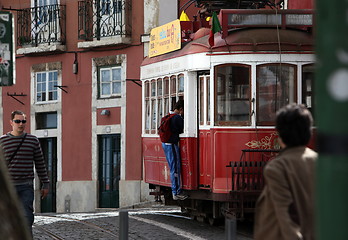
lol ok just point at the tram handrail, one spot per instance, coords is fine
(247, 178)
(247, 173)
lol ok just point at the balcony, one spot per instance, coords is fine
(104, 22)
(41, 29)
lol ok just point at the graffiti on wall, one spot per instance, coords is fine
(6, 48)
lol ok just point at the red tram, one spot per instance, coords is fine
(263, 60)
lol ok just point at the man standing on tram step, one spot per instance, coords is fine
(285, 208)
(172, 150)
(22, 151)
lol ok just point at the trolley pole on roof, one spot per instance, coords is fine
(331, 119)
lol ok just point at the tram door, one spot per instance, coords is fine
(109, 170)
(49, 149)
(204, 110)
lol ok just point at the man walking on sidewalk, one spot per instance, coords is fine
(22, 151)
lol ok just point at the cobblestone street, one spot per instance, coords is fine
(156, 222)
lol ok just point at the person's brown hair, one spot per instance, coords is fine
(16, 112)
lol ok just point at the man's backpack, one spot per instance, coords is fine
(164, 130)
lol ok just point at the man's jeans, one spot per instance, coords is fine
(172, 153)
(25, 194)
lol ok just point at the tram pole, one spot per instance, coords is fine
(331, 119)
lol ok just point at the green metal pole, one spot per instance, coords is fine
(332, 119)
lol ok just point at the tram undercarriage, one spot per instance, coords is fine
(205, 206)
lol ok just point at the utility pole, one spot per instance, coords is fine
(332, 119)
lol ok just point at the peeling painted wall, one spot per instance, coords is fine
(159, 12)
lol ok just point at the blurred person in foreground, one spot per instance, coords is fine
(12, 222)
(22, 151)
(285, 208)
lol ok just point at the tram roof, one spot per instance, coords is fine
(244, 40)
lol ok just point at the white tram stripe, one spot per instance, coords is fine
(175, 230)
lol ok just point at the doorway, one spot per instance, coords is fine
(109, 170)
(49, 149)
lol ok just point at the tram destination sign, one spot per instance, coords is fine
(166, 38)
(7, 58)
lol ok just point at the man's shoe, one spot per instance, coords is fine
(175, 197)
(181, 196)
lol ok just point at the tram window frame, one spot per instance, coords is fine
(147, 89)
(204, 99)
(208, 100)
(147, 106)
(173, 85)
(201, 83)
(272, 114)
(153, 88)
(166, 95)
(307, 92)
(173, 90)
(159, 101)
(153, 106)
(181, 84)
(223, 93)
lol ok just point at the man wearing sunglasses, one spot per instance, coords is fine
(22, 151)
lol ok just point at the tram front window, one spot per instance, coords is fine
(232, 95)
(275, 89)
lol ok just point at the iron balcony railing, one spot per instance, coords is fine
(41, 25)
(104, 18)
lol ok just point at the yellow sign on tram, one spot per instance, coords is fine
(166, 38)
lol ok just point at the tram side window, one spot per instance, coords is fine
(153, 107)
(159, 100)
(308, 86)
(201, 100)
(166, 95)
(204, 100)
(208, 99)
(276, 87)
(181, 84)
(173, 88)
(232, 92)
(147, 107)
(180, 92)
(160, 96)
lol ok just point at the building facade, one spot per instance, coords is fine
(77, 79)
